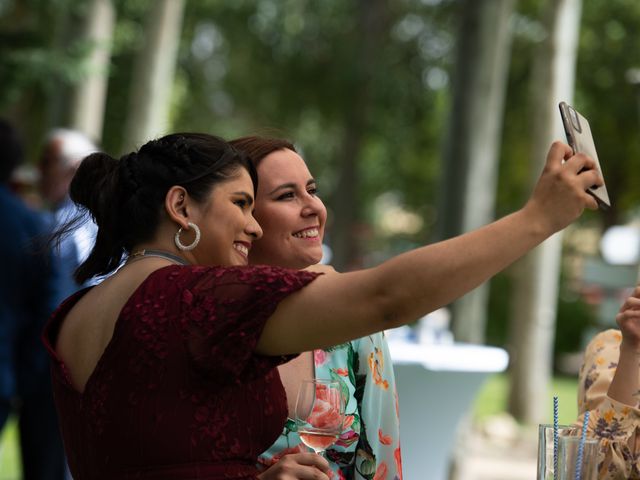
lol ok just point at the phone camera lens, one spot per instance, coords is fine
(574, 120)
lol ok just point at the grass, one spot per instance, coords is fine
(491, 400)
(10, 468)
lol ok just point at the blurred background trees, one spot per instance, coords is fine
(366, 88)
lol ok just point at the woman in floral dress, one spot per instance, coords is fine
(293, 218)
(609, 390)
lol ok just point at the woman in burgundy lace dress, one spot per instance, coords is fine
(166, 370)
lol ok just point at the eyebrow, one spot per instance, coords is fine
(246, 196)
(311, 181)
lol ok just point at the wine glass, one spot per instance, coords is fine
(319, 413)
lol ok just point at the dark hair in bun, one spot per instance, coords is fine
(125, 197)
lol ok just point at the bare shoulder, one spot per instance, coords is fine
(88, 327)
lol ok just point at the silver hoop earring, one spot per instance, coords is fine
(193, 244)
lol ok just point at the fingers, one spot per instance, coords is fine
(631, 303)
(560, 195)
(299, 466)
(580, 162)
(561, 156)
(321, 468)
(312, 460)
(629, 323)
(558, 152)
(590, 202)
(589, 178)
(586, 170)
(628, 319)
(587, 174)
(628, 315)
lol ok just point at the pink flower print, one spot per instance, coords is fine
(398, 457)
(376, 366)
(324, 413)
(348, 421)
(348, 438)
(320, 357)
(384, 439)
(381, 471)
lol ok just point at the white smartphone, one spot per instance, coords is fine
(578, 133)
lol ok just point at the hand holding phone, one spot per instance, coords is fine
(579, 137)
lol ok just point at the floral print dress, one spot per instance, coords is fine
(369, 447)
(615, 424)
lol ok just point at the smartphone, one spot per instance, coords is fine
(579, 138)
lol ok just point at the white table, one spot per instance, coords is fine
(436, 386)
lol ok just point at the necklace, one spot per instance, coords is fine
(157, 253)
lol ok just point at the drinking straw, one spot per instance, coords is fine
(555, 437)
(581, 447)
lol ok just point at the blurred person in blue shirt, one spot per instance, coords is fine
(61, 155)
(29, 291)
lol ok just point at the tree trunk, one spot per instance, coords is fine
(473, 140)
(61, 36)
(89, 97)
(372, 27)
(345, 213)
(534, 305)
(153, 75)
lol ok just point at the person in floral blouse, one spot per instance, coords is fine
(609, 389)
(293, 219)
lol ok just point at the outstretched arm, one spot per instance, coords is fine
(339, 307)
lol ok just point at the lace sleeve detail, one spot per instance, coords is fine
(224, 313)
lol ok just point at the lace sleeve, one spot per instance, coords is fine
(224, 311)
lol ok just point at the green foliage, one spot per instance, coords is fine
(497, 329)
(41, 56)
(604, 94)
(609, 99)
(514, 181)
(573, 319)
(493, 397)
(128, 38)
(300, 69)
(291, 68)
(34, 56)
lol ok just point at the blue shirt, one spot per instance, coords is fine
(29, 291)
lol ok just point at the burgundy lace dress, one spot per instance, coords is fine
(179, 392)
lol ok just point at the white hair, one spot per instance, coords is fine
(74, 146)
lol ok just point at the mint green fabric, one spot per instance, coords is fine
(369, 447)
